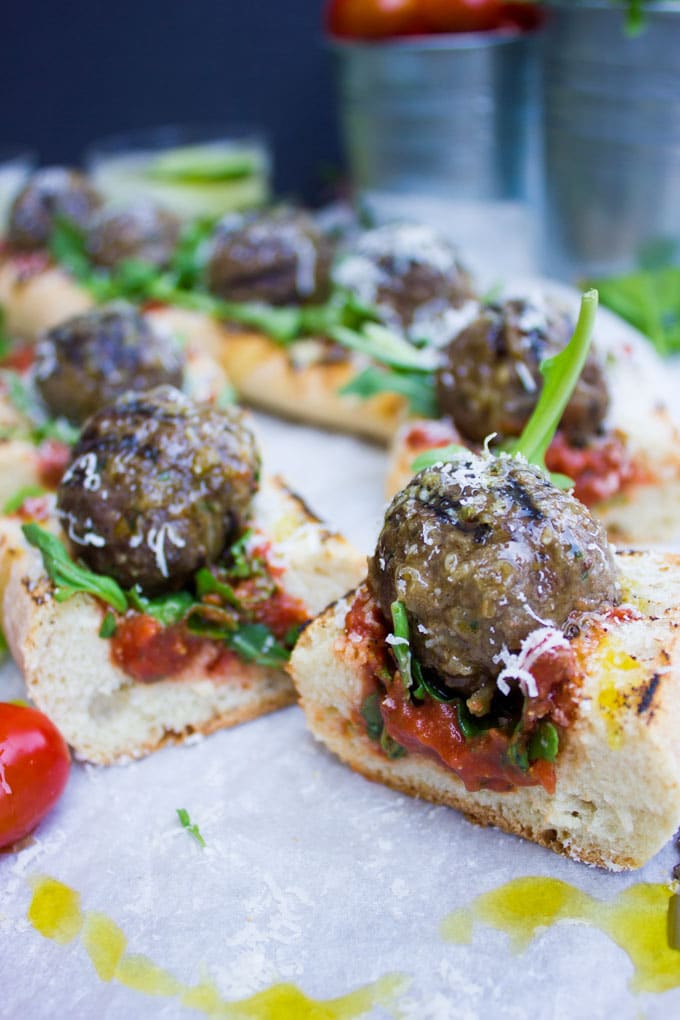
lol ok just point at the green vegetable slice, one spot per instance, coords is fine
(203, 164)
(68, 577)
(191, 827)
(544, 743)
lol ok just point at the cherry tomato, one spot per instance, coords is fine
(34, 767)
(462, 15)
(374, 19)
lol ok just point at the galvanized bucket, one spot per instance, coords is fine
(447, 115)
(444, 129)
(612, 137)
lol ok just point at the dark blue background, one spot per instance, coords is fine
(73, 72)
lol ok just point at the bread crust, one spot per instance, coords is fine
(37, 298)
(104, 714)
(617, 800)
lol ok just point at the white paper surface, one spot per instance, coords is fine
(310, 874)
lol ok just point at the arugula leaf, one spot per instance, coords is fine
(254, 642)
(384, 346)
(418, 389)
(207, 583)
(109, 626)
(167, 609)
(18, 498)
(68, 577)
(438, 455)
(560, 374)
(650, 301)
(191, 827)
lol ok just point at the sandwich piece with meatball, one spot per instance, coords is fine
(49, 389)
(503, 659)
(617, 439)
(160, 594)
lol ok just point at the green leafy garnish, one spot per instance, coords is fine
(191, 827)
(5, 341)
(438, 455)
(254, 642)
(400, 645)
(39, 427)
(68, 577)
(384, 346)
(560, 374)
(372, 716)
(390, 746)
(167, 609)
(18, 498)
(207, 583)
(544, 743)
(418, 389)
(109, 626)
(242, 563)
(650, 301)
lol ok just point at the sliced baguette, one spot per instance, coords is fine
(618, 774)
(38, 296)
(104, 714)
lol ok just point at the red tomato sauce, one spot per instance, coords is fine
(432, 728)
(148, 651)
(599, 471)
(53, 458)
(29, 263)
(20, 357)
(430, 435)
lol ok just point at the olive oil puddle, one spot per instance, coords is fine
(55, 913)
(636, 920)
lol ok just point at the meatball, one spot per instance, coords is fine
(490, 379)
(157, 487)
(89, 360)
(279, 257)
(482, 551)
(50, 193)
(411, 275)
(143, 231)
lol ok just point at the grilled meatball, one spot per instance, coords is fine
(490, 380)
(50, 193)
(157, 487)
(89, 360)
(144, 231)
(278, 257)
(411, 275)
(482, 551)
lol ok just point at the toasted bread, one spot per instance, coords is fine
(104, 714)
(617, 797)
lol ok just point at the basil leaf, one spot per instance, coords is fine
(109, 626)
(68, 577)
(560, 374)
(207, 583)
(18, 498)
(418, 389)
(372, 716)
(544, 743)
(384, 346)
(438, 455)
(254, 642)
(191, 828)
(167, 609)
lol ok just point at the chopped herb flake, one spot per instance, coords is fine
(190, 826)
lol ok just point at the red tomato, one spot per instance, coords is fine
(374, 19)
(34, 767)
(462, 15)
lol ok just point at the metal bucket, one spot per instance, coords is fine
(612, 138)
(435, 121)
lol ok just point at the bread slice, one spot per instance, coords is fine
(103, 713)
(36, 294)
(617, 799)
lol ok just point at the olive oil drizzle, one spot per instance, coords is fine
(636, 920)
(55, 912)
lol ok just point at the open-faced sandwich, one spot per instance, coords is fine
(160, 594)
(48, 389)
(617, 439)
(502, 659)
